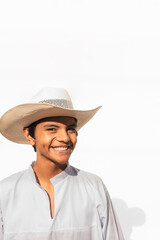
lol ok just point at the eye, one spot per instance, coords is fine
(72, 130)
(51, 129)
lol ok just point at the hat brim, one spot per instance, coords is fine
(14, 120)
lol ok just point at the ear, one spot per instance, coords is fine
(29, 138)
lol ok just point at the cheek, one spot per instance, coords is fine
(74, 141)
(42, 140)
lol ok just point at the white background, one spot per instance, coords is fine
(102, 52)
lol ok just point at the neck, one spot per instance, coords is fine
(45, 170)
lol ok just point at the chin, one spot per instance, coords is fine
(60, 163)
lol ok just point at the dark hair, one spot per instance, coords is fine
(31, 130)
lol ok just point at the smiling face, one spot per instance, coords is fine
(54, 138)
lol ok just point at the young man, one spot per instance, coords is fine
(52, 199)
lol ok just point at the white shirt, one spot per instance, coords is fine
(83, 209)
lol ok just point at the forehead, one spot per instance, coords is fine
(58, 120)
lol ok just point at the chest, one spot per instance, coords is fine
(67, 205)
(49, 188)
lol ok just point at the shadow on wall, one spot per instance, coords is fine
(128, 217)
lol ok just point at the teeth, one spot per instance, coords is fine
(61, 148)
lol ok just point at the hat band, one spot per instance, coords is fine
(59, 103)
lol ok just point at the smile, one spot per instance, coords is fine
(61, 148)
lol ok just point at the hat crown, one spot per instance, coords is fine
(56, 96)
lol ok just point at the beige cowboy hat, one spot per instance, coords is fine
(48, 102)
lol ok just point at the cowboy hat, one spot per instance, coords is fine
(48, 102)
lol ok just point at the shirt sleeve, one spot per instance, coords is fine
(110, 224)
(1, 225)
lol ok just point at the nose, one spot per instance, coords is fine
(63, 136)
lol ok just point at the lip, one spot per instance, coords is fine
(61, 146)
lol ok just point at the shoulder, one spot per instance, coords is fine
(12, 177)
(95, 186)
(89, 178)
(10, 181)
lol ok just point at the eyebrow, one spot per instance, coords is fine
(50, 125)
(73, 125)
(53, 125)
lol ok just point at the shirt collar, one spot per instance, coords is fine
(69, 170)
